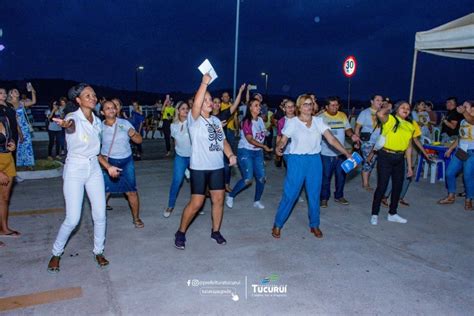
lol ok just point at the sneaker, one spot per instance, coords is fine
(167, 212)
(201, 213)
(324, 203)
(179, 240)
(218, 238)
(19, 179)
(342, 201)
(374, 219)
(300, 200)
(258, 204)
(396, 219)
(229, 201)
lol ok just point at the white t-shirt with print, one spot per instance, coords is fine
(121, 147)
(85, 141)
(257, 129)
(182, 140)
(368, 120)
(466, 136)
(338, 124)
(207, 143)
(304, 140)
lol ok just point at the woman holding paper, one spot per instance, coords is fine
(304, 150)
(206, 164)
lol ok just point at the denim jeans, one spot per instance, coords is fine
(332, 165)
(302, 169)
(467, 167)
(230, 136)
(251, 165)
(179, 167)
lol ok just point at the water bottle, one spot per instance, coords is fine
(349, 164)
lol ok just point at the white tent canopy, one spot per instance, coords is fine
(454, 39)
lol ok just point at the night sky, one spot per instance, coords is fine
(301, 44)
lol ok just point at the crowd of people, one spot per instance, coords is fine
(209, 136)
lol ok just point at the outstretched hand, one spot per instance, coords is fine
(63, 123)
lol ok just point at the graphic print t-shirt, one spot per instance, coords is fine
(254, 128)
(207, 143)
(338, 124)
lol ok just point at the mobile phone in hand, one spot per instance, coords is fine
(29, 87)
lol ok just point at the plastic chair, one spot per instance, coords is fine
(436, 168)
(436, 134)
(425, 140)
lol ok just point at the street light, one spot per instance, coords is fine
(139, 68)
(266, 74)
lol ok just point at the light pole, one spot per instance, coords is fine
(139, 68)
(236, 47)
(266, 74)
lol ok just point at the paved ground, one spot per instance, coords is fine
(423, 267)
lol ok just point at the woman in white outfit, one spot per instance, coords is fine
(82, 170)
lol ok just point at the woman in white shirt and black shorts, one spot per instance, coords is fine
(208, 145)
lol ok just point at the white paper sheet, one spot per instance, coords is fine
(206, 67)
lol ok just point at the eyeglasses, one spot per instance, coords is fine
(307, 104)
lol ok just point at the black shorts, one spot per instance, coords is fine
(201, 179)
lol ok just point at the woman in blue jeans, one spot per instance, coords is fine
(462, 163)
(182, 141)
(250, 155)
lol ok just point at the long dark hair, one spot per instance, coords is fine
(248, 114)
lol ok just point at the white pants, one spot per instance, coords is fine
(80, 173)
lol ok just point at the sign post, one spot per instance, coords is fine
(349, 68)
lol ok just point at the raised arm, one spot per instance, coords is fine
(238, 97)
(465, 110)
(383, 113)
(199, 97)
(33, 98)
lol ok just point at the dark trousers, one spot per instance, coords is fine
(167, 132)
(389, 166)
(332, 165)
(54, 139)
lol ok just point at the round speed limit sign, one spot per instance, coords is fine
(350, 66)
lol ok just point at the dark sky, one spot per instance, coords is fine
(301, 43)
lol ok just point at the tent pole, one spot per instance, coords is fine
(413, 76)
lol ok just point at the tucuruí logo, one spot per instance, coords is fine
(268, 287)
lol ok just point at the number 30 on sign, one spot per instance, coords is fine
(350, 66)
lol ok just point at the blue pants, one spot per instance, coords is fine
(180, 165)
(302, 169)
(467, 167)
(251, 165)
(332, 165)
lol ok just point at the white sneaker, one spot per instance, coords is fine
(19, 179)
(300, 200)
(167, 212)
(396, 219)
(229, 201)
(374, 219)
(258, 204)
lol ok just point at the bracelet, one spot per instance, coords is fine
(204, 83)
(231, 156)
